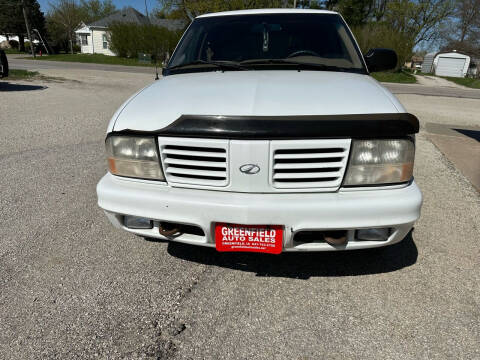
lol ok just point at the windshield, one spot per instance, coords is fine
(240, 42)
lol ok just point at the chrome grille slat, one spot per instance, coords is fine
(310, 164)
(193, 172)
(306, 175)
(310, 155)
(280, 166)
(194, 153)
(195, 162)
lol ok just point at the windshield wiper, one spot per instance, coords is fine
(298, 63)
(223, 65)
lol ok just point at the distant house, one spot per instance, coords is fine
(94, 38)
(414, 63)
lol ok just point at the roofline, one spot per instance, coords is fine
(267, 11)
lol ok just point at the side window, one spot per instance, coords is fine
(105, 42)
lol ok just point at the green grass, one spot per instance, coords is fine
(468, 82)
(92, 58)
(394, 77)
(13, 51)
(14, 74)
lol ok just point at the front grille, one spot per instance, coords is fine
(195, 162)
(309, 164)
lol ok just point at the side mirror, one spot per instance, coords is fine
(380, 59)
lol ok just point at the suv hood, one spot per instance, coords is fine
(253, 93)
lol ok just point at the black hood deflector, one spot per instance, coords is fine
(288, 127)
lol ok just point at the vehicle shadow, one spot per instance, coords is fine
(6, 86)
(306, 265)
(474, 134)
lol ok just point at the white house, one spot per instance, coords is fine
(94, 38)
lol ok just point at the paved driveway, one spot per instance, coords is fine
(435, 81)
(74, 287)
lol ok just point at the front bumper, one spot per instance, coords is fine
(397, 209)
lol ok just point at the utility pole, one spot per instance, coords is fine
(294, 4)
(32, 48)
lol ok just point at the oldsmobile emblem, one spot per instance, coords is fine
(250, 169)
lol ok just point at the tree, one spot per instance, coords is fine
(420, 20)
(381, 34)
(468, 14)
(192, 8)
(129, 39)
(93, 10)
(13, 22)
(462, 33)
(63, 18)
(356, 12)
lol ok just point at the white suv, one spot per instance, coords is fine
(265, 134)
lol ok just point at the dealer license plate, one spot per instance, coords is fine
(249, 238)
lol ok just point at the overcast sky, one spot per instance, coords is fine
(137, 4)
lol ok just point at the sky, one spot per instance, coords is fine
(137, 4)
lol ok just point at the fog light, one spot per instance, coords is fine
(373, 234)
(135, 222)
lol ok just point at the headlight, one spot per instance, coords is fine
(133, 157)
(376, 162)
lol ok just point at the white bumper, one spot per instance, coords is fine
(396, 208)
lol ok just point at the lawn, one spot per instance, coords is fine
(468, 82)
(13, 51)
(394, 77)
(92, 58)
(14, 74)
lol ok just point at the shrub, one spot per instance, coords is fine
(14, 44)
(380, 35)
(127, 40)
(37, 48)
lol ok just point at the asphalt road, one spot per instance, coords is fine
(74, 287)
(16, 62)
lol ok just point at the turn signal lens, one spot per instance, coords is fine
(133, 157)
(378, 162)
